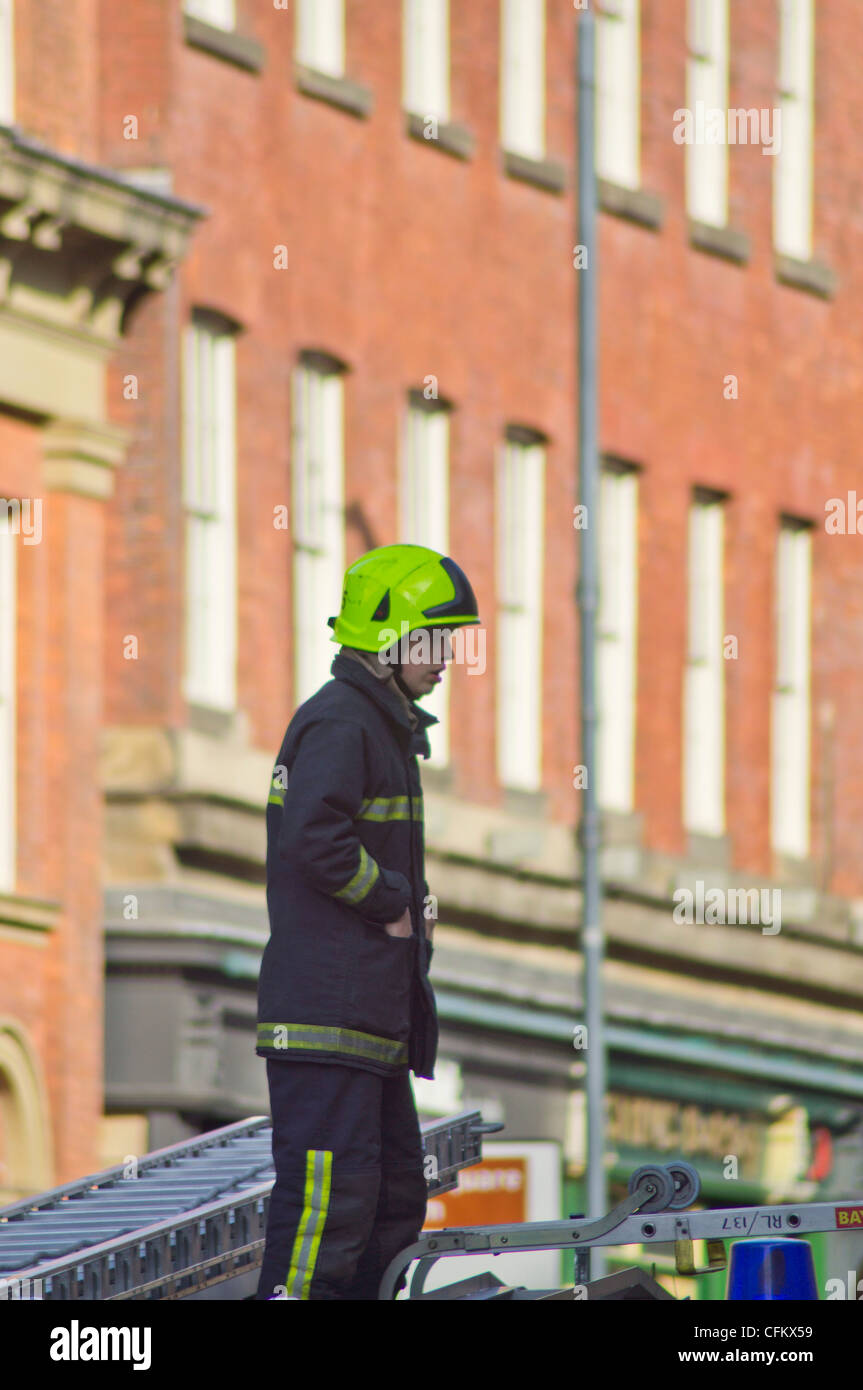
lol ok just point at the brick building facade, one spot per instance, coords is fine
(283, 284)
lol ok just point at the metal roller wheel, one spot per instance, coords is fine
(687, 1184)
(662, 1182)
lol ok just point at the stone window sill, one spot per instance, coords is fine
(436, 778)
(708, 851)
(228, 725)
(621, 828)
(634, 204)
(342, 92)
(235, 48)
(451, 137)
(812, 276)
(793, 872)
(33, 913)
(519, 802)
(726, 242)
(549, 174)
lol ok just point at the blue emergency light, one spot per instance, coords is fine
(771, 1269)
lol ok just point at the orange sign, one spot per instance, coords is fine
(489, 1194)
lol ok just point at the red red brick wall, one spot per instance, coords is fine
(404, 261)
(51, 982)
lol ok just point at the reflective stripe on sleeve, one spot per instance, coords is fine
(383, 808)
(363, 880)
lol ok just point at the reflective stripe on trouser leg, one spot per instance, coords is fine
(319, 1165)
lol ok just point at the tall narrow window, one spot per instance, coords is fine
(220, 13)
(426, 57)
(210, 500)
(8, 626)
(791, 696)
(707, 87)
(523, 77)
(617, 623)
(7, 62)
(704, 701)
(319, 518)
(321, 35)
(519, 544)
(793, 172)
(425, 521)
(618, 92)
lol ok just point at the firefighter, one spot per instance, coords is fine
(345, 1007)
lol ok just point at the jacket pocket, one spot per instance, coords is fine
(379, 993)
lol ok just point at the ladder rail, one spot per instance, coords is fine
(158, 1158)
(190, 1247)
(623, 1226)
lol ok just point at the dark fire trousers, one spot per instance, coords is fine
(350, 1191)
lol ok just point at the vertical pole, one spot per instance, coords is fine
(591, 929)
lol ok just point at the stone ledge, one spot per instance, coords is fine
(793, 872)
(451, 137)
(78, 243)
(140, 761)
(227, 725)
(342, 92)
(549, 174)
(726, 242)
(621, 828)
(224, 43)
(37, 914)
(812, 276)
(519, 804)
(708, 851)
(435, 778)
(634, 204)
(80, 457)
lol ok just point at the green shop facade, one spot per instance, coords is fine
(766, 1111)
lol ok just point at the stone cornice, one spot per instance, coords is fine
(109, 239)
(81, 457)
(34, 914)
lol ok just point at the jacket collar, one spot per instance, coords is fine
(358, 674)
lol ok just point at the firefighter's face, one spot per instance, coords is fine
(427, 659)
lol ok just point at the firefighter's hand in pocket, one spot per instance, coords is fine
(403, 927)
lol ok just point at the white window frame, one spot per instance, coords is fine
(704, 680)
(617, 634)
(424, 520)
(426, 58)
(222, 14)
(8, 702)
(522, 77)
(320, 35)
(793, 172)
(7, 62)
(707, 83)
(520, 534)
(210, 506)
(618, 92)
(318, 528)
(791, 706)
